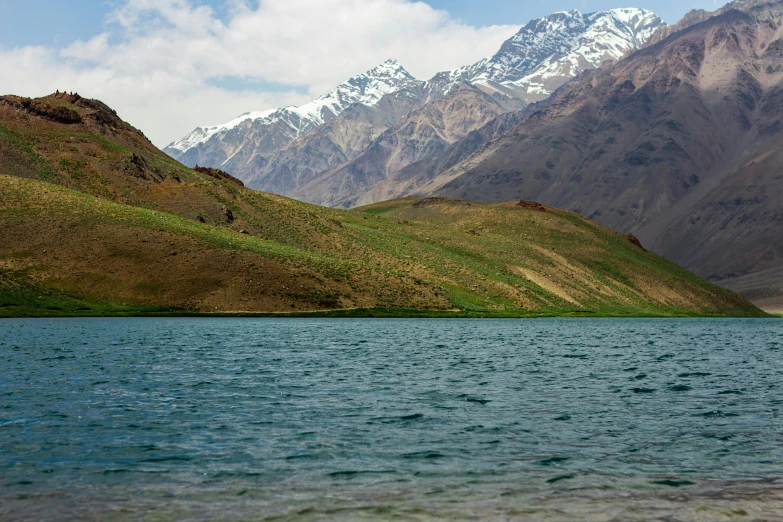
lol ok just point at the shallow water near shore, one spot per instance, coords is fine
(312, 419)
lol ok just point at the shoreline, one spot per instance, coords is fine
(384, 313)
(573, 499)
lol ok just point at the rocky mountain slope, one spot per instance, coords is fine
(424, 133)
(679, 144)
(233, 144)
(370, 179)
(331, 145)
(95, 220)
(279, 151)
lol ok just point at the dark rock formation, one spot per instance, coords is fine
(43, 109)
(138, 167)
(633, 239)
(227, 213)
(532, 205)
(219, 174)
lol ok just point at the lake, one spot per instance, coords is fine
(375, 419)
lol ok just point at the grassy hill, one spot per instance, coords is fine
(95, 220)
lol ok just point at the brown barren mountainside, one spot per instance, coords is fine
(94, 219)
(335, 143)
(379, 173)
(679, 144)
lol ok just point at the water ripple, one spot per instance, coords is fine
(379, 419)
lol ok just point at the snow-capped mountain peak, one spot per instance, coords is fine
(391, 68)
(367, 88)
(546, 52)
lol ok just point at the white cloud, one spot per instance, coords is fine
(155, 60)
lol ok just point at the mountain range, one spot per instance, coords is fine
(275, 150)
(666, 132)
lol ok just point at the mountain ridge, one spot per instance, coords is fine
(549, 51)
(367, 88)
(533, 63)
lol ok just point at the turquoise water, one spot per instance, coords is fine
(378, 419)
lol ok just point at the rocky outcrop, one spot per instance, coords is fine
(635, 240)
(52, 112)
(219, 174)
(532, 205)
(138, 167)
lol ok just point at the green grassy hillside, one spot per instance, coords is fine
(431, 255)
(95, 220)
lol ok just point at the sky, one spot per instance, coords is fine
(168, 66)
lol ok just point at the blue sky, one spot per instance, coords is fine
(483, 12)
(58, 22)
